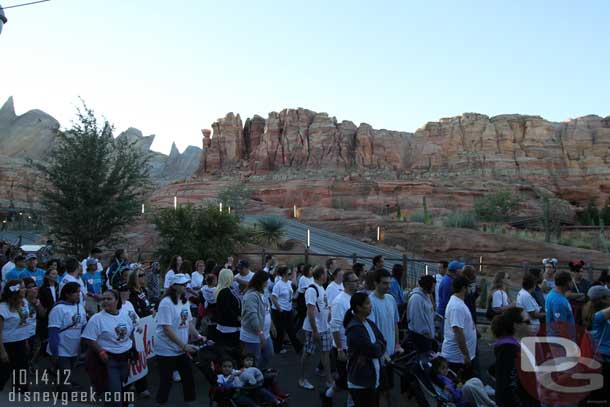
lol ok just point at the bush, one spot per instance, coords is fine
(460, 219)
(418, 216)
(497, 207)
(270, 232)
(197, 233)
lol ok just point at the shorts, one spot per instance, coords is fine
(326, 342)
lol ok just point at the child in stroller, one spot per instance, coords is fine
(422, 371)
(241, 390)
(226, 385)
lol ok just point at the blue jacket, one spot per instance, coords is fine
(445, 290)
(360, 368)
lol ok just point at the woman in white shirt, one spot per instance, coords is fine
(281, 297)
(174, 324)
(526, 300)
(499, 297)
(304, 282)
(174, 267)
(109, 338)
(14, 333)
(66, 321)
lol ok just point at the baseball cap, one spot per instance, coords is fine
(597, 292)
(180, 279)
(455, 265)
(242, 264)
(91, 262)
(30, 256)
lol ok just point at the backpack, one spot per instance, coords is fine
(317, 295)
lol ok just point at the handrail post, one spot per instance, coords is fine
(306, 255)
(354, 258)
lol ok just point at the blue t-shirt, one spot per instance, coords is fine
(559, 316)
(14, 274)
(93, 282)
(600, 330)
(397, 292)
(37, 275)
(445, 290)
(385, 315)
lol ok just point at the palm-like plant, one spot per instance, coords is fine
(269, 232)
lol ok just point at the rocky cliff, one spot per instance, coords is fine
(571, 159)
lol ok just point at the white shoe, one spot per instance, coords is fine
(145, 394)
(306, 385)
(283, 351)
(176, 377)
(489, 390)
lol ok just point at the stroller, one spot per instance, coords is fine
(415, 371)
(208, 360)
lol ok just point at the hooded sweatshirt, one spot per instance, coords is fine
(420, 313)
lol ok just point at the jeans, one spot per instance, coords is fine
(262, 353)
(167, 365)
(118, 370)
(284, 323)
(250, 397)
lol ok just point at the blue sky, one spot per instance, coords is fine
(171, 68)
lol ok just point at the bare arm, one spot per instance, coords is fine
(311, 315)
(461, 341)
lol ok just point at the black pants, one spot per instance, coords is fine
(167, 365)
(365, 397)
(17, 363)
(420, 342)
(230, 344)
(284, 323)
(141, 384)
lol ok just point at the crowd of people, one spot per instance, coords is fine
(356, 322)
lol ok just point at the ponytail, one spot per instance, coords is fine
(349, 315)
(357, 300)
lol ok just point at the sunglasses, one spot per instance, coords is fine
(526, 322)
(107, 299)
(351, 281)
(141, 275)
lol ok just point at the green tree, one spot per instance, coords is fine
(235, 196)
(96, 184)
(605, 212)
(497, 207)
(269, 232)
(197, 233)
(590, 215)
(427, 217)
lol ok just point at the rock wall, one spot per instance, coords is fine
(571, 159)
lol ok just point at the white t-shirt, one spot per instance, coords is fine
(16, 326)
(458, 315)
(68, 278)
(208, 294)
(63, 316)
(385, 315)
(526, 301)
(169, 276)
(283, 292)
(83, 264)
(304, 282)
(196, 280)
(31, 321)
(320, 307)
(499, 299)
(244, 279)
(333, 290)
(128, 309)
(6, 268)
(338, 309)
(111, 332)
(178, 317)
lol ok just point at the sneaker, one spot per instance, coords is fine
(144, 394)
(283, 351)
(304, 384)
(176, 377)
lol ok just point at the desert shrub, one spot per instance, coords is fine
(497, 207)
(418, 216)
(461, 219)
